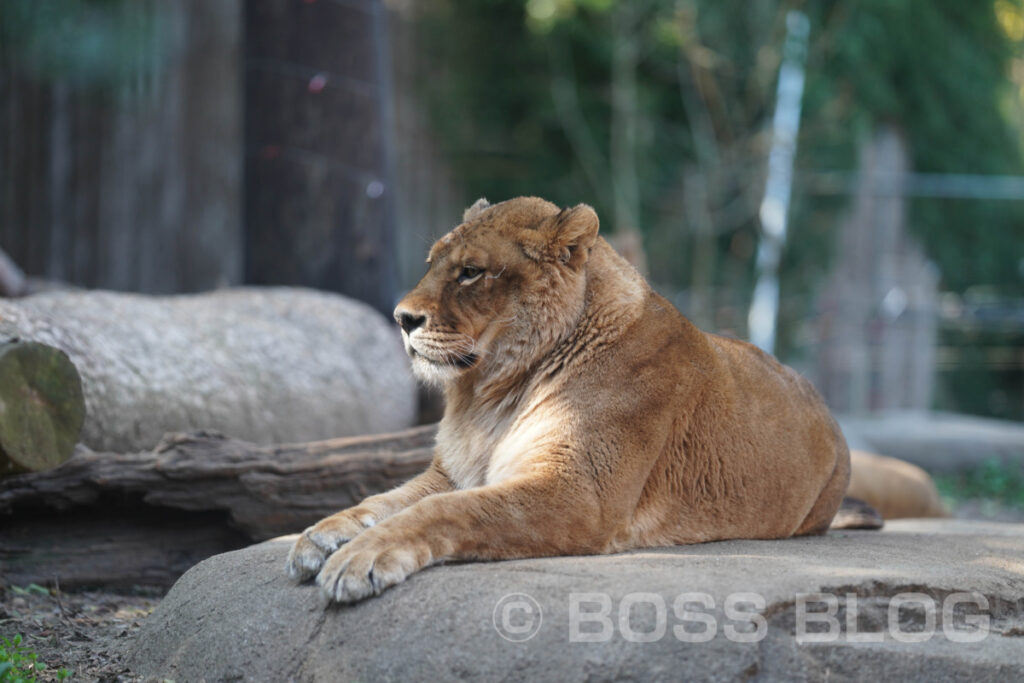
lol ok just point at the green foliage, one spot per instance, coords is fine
(937, 69)
(997, 480)
(520, 101)
(87, 42)
(983, 378)
(19, 665)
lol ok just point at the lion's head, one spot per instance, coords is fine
(501, 289)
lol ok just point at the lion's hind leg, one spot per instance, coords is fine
(825, 507)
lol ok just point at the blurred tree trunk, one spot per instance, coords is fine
(702, 253)
(319, 192)
(127, 178)
(879, 310)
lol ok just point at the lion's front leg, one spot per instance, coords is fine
(316, 543)
(504, 521)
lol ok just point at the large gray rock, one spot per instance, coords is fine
(938, 442)
(236, 617)
(266, 365)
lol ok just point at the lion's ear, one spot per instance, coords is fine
(571, 233)
(479, 206)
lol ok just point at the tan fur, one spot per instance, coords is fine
(897, 489)
(584, 414)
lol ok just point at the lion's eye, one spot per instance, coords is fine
(469, 274)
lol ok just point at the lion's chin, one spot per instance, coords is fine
(440, 373)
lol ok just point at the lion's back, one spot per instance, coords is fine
(755, 455)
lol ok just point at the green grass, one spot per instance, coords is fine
(19, 665)
(997, 480)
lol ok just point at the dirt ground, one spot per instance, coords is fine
(85, 631)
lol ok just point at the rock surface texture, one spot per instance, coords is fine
(267, 365)
(631, 616)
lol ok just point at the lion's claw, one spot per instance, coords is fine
(366, 567)
(319, 541)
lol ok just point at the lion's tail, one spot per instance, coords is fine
(854, 513)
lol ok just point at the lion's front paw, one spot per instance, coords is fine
(317, 542)
(368, 565)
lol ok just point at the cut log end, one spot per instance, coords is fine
(41, 407)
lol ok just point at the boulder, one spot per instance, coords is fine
(938, 442)
(933, 600)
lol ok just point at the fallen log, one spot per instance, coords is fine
(144, 518)
(113, 548)
(267, 365)
(41, 407)
(265, 490)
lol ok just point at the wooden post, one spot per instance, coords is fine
(878, 327)
(127, 179)
(319, 192)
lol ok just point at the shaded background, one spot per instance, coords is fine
(173, 146)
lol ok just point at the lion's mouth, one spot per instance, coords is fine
(466, 361)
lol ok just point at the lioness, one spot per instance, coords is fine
(584, 414)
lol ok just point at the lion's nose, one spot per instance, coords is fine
(409, 321)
